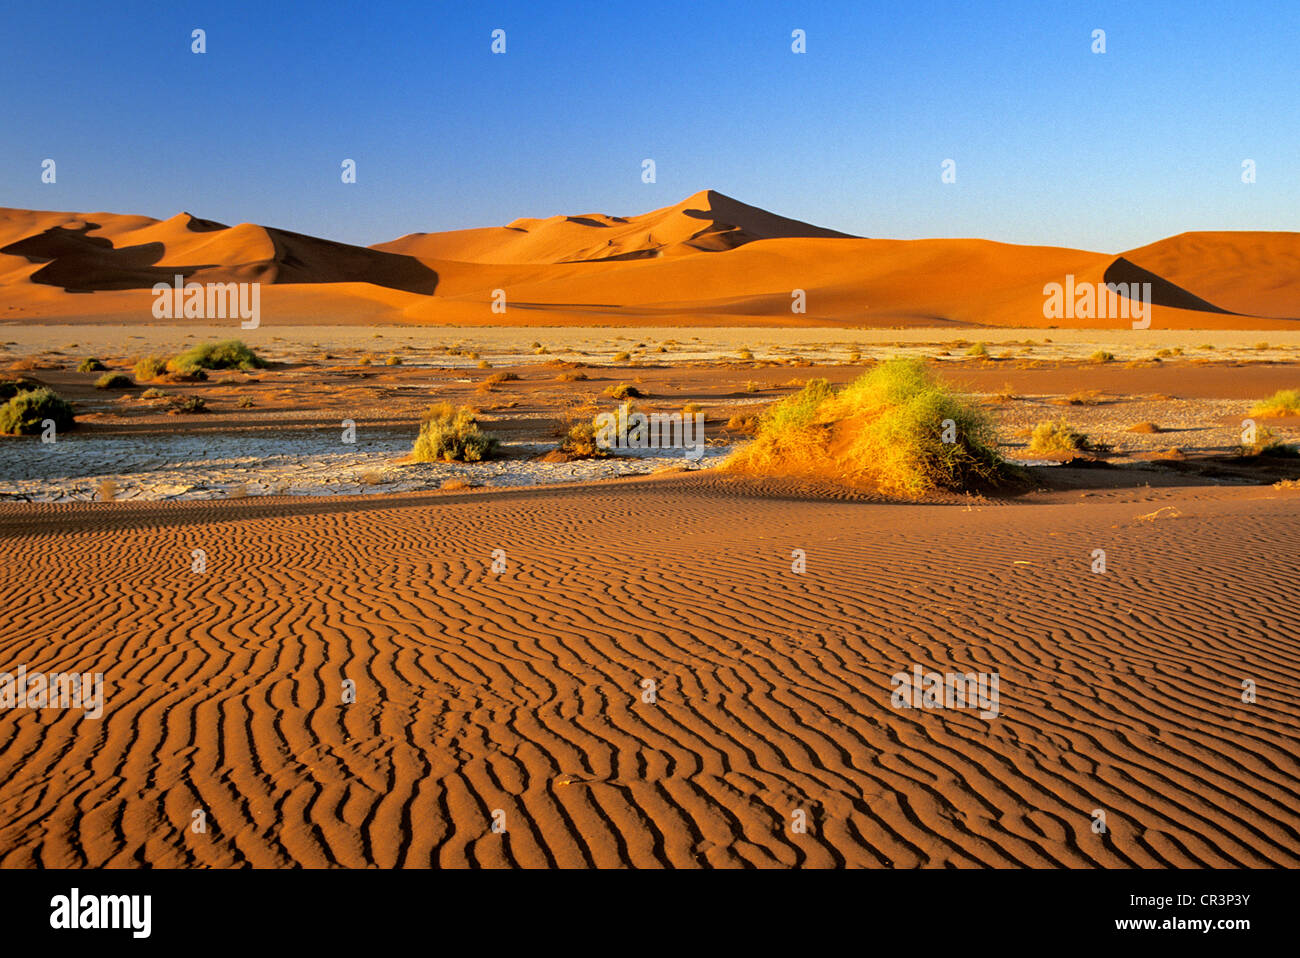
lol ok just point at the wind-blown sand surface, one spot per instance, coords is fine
(522, 691)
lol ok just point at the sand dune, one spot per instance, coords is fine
(523, 692)
(709, 260)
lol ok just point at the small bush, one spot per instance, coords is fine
(1284, 402)
(228, 354)
(572, 376)
(393, 361)
(745, 354)
(150, 367)
(245, 402)
(452, 436)
(90, 365)
(1147, 428)
(1057, 436)
(622, 357)
(114, 381)
(978, 351)
(12, 387)
(624, 391)
(496, 378)
(25, 412)
(187, 404)
(154, 393)
(885, 429)
(1268, 445)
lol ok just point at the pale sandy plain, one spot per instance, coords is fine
(522, 691)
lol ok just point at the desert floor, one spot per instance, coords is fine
(519, 695)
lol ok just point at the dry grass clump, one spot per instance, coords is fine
(114, 381)
(393, 361)
(1145, 427)
(571, 376)
(886, 430)
(106, 490)
(742, 423)
(978, 351)
(745, 354)
(624, 391)
(1268, 445)
(452, 435)
(1088, 397)
(622, 357)
(1101, 356)
(1284, 402)
(150, 367)
(90, 365)
(184, 405)
(1057, 436)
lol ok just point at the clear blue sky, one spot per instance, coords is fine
(1053, 143)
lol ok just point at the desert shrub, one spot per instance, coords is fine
(1145, 427)
(187, 404)
(1284, 402)
(745, 354)
(245, 402)
(1101, 356)
(12, 387)
(580, 440)
(622, 357)
(624, 391)
(742, 423)
(154, 393)
(1268, 445)
(393, 361)
(24, 413)
(572, 376)
(979, 351)
(150, 367)
(1056, 436)
(90, 365)
(502, 378)
(885, 429)
(448, 435)
(228, 354)
(114, 381)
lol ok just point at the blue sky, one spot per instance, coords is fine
(1053, 144)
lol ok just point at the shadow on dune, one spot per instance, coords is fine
(1163, 292)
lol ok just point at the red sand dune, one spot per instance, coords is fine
(709, 260)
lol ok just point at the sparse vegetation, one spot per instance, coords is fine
(886, 429)
(452, 435)
(90, 365)
(1269, 445)
(1057, 436)
(1284, 402)
(114, 381)
(624, 391)
(978, 351)
(1101, 356)
(187, 405)
(25, 412)
(150, 367)
(228, 354)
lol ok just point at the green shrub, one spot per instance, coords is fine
(452, 436)
(886, 429)
(25, 412)
(1057, 436)
(228, 354)
(12, 387)
(150, 367)
(114, 381)
(90, 365)
(1284, 402)
(978, 351)
(1101, 356)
